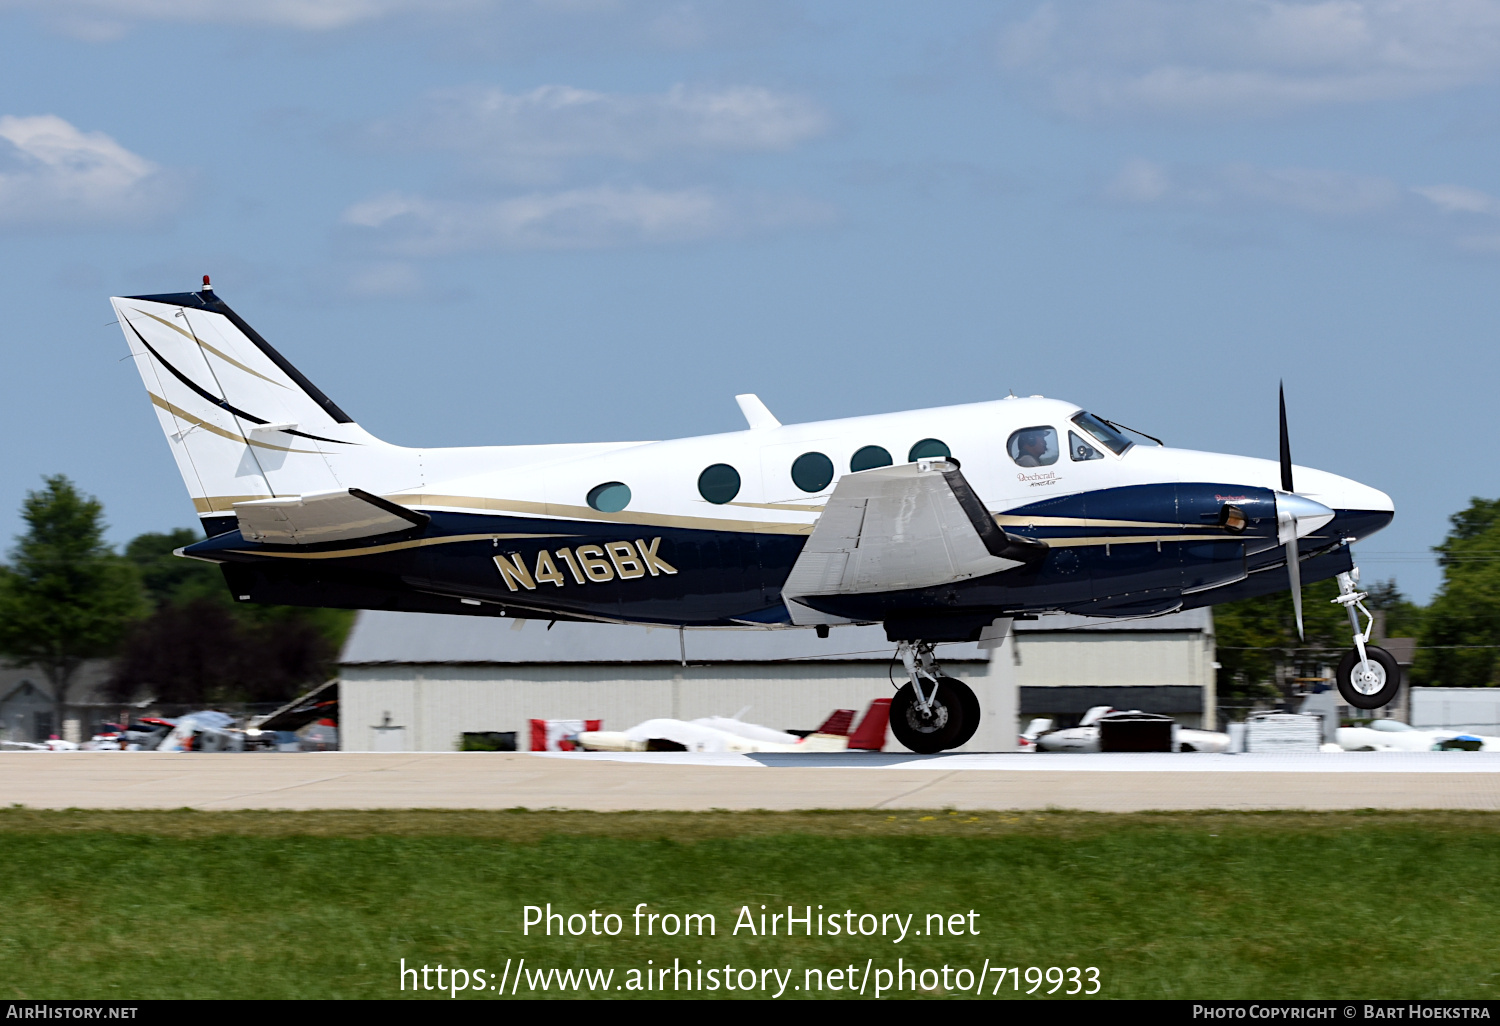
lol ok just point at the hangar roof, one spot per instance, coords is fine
(382, 636)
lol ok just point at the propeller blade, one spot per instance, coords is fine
(1294, 571)
(1286, 445)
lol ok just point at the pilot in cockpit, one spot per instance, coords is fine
(1031, 447)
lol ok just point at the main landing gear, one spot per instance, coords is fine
(1368, 676)
(931, 713)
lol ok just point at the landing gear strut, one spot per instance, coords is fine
(930, 712)
(1368, 676)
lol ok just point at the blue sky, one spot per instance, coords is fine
(492, 221)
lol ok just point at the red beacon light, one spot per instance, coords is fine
(206, 286)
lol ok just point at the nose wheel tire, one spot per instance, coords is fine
(1372, 683)
(936, 729)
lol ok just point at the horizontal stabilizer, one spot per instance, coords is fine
(323, 517)
(917, 525)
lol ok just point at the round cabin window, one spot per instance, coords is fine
(610, 497)
(928, 449)
(719, 483)
(868, 458)
(812, 471)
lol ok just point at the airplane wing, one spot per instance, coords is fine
(917, 525)
(323, 517)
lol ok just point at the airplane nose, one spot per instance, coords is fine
(1361, 509)
(1297, 516)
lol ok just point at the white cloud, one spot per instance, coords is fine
(53, 175)
(528, 133)
(1459, 199)
(587, 218)
(508, 26)
(97, 17)
(1140, 181)
(1456, 215)
(1308, 190)
(385, 280)
(1249, 56)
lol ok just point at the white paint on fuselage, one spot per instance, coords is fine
(663, 475)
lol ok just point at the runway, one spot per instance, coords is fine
(686, 782)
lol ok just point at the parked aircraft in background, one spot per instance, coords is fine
(1085, 737)
(1395, 736)
(728, 734)
(941, 524)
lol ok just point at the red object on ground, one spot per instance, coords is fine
(838, 723)
(557, 735)
(870, 736)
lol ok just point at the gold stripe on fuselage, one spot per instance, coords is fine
(412, 543)
(1012, 520)
(789, 506)
(553, 509)
(1137, 539)
(644, 519)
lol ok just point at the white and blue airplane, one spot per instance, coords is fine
(943, 524)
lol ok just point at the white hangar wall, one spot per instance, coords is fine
(1163, 664)
(417, 682)
(1119, 659)
(436, 704)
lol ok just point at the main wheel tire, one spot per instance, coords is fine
(927, 735)
(970, 704)
(1371, 684)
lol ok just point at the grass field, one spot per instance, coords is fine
(282, 905)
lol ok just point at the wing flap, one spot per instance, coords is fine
(918, 525)
(323, 517)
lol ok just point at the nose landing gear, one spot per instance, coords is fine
(931, 713)
(1368, 676)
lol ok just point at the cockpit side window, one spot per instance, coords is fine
(1106, 435)
(1033, 447)
(1080, 450)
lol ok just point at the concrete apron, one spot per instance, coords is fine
(483, 780)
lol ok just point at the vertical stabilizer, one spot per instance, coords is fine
(242, 422)
(871, 734)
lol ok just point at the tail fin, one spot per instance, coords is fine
(838, 723)
(242, 422)
(872, 729)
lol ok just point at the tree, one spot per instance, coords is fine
(65, 597)
(1259, 653)
(1403, 617)
(169, 578)
(200, 648)
(1460, 634)
(200, 652)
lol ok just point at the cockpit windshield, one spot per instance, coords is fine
(1107, 436)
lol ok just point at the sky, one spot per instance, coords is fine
(516, 221)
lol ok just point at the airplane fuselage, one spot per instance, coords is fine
(1127, 533)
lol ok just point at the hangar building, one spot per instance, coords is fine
(418, 682)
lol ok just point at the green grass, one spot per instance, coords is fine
(283, 905)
